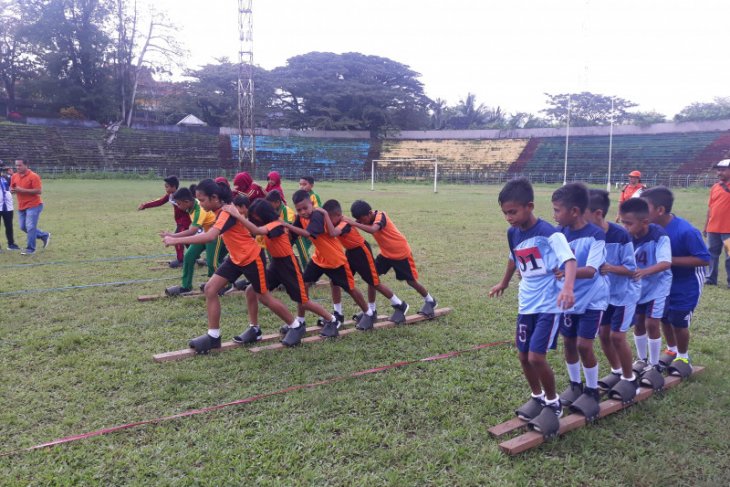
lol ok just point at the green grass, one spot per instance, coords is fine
(75, 361)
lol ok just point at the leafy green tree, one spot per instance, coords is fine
(16, 56)
(719, 109)
(587, 109)
(645, 118)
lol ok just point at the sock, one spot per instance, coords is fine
(630, 379)
(428, 298)
(539, 396)
(395, 300)
(574, 372)
(214, 332)
(655, 348)
(616, 371)
(338, 307)
(371, 306)
(552, 401)
(641, 341)
(369, 312)
(300, 319)
(683, 355)
(295, 324)
(253, 326)
(672, 349)
(591, 374)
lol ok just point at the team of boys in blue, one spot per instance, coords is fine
(589, 278)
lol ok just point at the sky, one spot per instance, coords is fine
(663, 55)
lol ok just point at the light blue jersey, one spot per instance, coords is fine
(589, 247)
(536, 252)
(652, 248)
(623, 290)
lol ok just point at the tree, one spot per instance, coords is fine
(16, 59)
(645, 118)
(350, 91)
(587, 109)
(719, 109)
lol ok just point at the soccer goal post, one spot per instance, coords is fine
(406, 169)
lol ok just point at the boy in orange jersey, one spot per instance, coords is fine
(395, 252)
(328, 257)
(360, 257)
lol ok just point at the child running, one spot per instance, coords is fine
(201, 221)
(536, 248)
(328, 257)
(624, 292)
(653, 253)
(395, 253)
(361, 260)
(182, 218)
(244, 258)
(689, 258)
(283, 269)
(580, 324)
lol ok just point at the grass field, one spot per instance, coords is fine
(74, 361)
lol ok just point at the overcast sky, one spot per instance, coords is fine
(663, 55)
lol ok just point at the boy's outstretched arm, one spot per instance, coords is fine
(498, 289)
(199, 238)
(233, 211)
(331, 229)
(689, 261)
(296, 230)
(365, 228)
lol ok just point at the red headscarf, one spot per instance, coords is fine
(221, 179)
(275, 185)
(243, 183)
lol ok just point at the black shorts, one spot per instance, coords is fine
(362, 262)
(405, 269)
(340, 276)
(285, 271)
(254, 272)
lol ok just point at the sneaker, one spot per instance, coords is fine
(28, 252)
(556, 408)
(251, 335)
(329, 330)
(285, 328)
(201, 262)
(176, 290)
(294, 336)
(174, 264)
(639, 366)
(530, 409)
(241, 284)
(667, 357)
(399, 315)
(204, 344)
(366, 322)
(573, 392)
(356, 317)
(338, 316)
(46, 240)
(13, 247)
(428, 309)
(222, 291)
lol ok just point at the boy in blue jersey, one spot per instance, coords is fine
(623, 294)
(654, 259)
(579, 325)
(689, 258)
(536, 248)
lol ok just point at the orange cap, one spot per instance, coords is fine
(635, 174)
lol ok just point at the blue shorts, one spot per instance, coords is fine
(536, 332)
(652, 309)
(677, 318)
(619, 317)
(584, 325)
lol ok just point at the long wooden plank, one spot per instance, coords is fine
(383, 324)
(198, 293)
(189, 353)
(532, 439)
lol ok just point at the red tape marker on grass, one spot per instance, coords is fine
(193, 412)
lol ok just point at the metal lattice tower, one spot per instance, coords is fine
(246, 137)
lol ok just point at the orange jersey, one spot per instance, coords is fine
(328, 252)
(277, 240)
(241, 245)
(29, 180)
(631, 191)
(393, 245)
(718, 220)
(349, 237)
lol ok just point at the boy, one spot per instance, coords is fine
(394, 253)
(182, 218)
(537, 248)
(286, 214)
(306, 183)
(653, 258)
(6, 211)
(580, 324)
(328, 257)
(361, 260)
(689, 258)
(623, 294)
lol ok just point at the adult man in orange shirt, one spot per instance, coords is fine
(717, 225)
(631, 190)
(26, 185)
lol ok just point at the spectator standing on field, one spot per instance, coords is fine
(631, 190)
(26, 185)
(717, 224)
(6, 209)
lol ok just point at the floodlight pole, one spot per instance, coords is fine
(610, 150)
(435, 175)
(372, 175)
(246, 133)
(567, 136)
